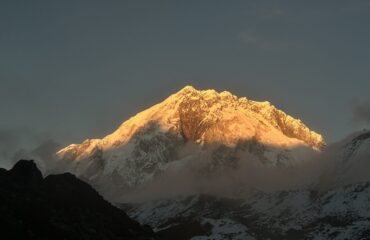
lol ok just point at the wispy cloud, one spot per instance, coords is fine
(22, 142)
(361, 112)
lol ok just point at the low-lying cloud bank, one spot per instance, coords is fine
(342, 163)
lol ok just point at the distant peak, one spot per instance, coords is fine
(188, 89)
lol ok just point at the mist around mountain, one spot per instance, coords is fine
(22, 142)
(346, 161)
(340, 164)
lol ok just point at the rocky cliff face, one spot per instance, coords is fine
(191, 125)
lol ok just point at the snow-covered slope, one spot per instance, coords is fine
(341, 213)
(190, 126)
(332, 209)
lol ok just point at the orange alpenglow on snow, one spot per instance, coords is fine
(155, 138)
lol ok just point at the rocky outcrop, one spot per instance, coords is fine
(208, 114)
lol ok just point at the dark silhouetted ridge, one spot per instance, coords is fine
(26, 173)
(59, 207)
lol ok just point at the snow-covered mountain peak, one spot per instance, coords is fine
(216, 127)
(206, 116)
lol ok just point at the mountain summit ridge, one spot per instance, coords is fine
(188, 101)
(290, 126)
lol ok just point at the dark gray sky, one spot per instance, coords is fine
(77, 69)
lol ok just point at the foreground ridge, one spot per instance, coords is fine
(59, 207)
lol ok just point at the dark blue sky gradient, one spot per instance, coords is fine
(77, 69)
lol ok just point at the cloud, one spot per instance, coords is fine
(23, 143)
(361, 112)
(12, 142)
(315, 170)
(197, 176)
(254, 39)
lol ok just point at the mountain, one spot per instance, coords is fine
(59, 207)
(205, 130)
(337, 214)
